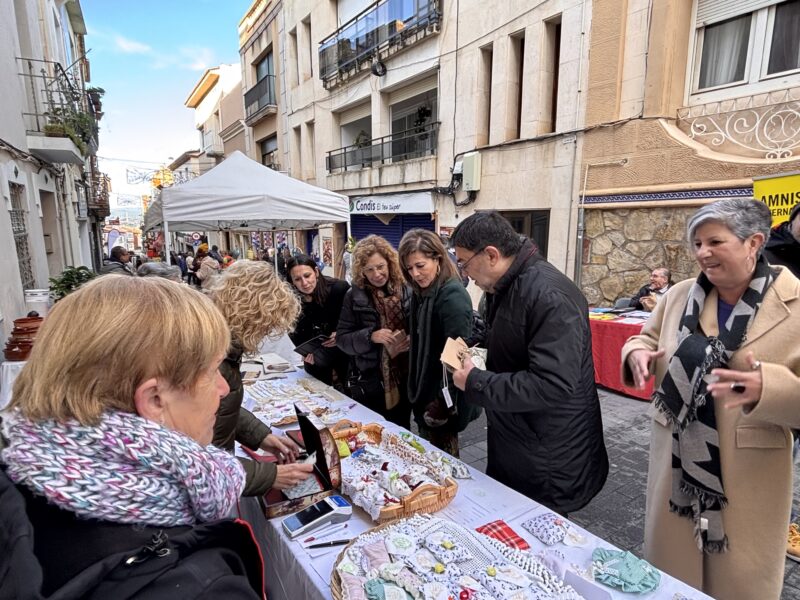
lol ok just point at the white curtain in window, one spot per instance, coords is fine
(724, 52)
(785, 49)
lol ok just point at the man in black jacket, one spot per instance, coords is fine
(545, 434)
(783, 245)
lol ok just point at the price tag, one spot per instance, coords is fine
(447, 399)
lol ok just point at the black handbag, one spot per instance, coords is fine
(365, 388)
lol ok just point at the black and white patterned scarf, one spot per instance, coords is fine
(697, 488)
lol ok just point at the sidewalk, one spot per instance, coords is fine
(617, 513)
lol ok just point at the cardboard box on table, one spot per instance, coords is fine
(327, 469)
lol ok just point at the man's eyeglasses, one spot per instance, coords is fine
(464, 265)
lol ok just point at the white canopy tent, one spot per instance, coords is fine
(240, 194)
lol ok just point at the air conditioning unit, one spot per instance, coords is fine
(471, 171)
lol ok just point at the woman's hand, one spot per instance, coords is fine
(330, 342)
(283, 448)
(309, 358)
(382, 336)
(738, 389)
(641, 363)
(291, 475)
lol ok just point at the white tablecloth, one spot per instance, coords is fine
(8, 373)
(293, 572)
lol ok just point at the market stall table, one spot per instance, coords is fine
(294, 572)
(608, 337)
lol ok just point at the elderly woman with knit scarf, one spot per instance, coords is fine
(724, 351)
(256, 304)
(110, 486)
(373, 330)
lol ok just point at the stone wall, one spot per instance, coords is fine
(622, 246)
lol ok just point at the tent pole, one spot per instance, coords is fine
(166, 242)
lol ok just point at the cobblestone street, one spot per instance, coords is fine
(617, 512)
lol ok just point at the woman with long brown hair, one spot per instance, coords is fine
(373, 330)
(440, 309)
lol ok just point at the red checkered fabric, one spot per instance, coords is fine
(500, 531)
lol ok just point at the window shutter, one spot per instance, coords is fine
(355, 113)
(414, 89)
(714, 11)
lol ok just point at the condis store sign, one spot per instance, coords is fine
(780, 193)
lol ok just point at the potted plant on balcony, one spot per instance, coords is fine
(362, 140)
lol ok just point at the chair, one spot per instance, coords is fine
(622, 303)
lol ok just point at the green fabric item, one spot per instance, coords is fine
(623, 571)
(379, 589)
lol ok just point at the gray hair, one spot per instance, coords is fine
(159, 269)
(743, 216)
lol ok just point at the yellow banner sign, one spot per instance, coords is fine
(779, 193)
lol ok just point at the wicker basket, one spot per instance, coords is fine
(427, 498)
(336, 580)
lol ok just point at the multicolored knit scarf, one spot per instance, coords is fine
(393, 369)
(127, 469)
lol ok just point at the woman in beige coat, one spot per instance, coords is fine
(724, 350)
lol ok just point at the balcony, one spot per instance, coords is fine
(101, 187)
(380, 31)
(397, 147)
(60, 125)
(764, 125)
(259, 100)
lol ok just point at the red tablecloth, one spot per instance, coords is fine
(608, 337)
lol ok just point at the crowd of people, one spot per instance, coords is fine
(128, 456)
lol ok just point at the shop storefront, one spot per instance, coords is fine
(391, 215)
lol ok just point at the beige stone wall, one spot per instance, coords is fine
(622, 246)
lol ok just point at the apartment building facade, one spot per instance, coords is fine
(689, 101)
(54, 197)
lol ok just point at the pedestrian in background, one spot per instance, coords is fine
(440, 309)
(723, 349)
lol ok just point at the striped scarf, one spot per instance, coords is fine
(126, 469)
(697, 487)
(393, 369)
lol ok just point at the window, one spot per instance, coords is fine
(484, 116)
(516, 69)
(533, 224)
(309, 47)
(269, 152)
(785, 44)
(19, 230)
(739, 44)
(265, 67)
(294, 58)
(551, 62)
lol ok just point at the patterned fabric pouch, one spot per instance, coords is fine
(500, 530)
(623, 571)
(548, 528)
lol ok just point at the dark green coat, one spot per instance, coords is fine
(235, 423)
(436, 314)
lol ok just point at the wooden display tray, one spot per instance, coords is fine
(427, 498)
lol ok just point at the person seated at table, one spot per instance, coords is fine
(110, 487)
(723, 349)
(256, 304)
(649, 295)
(321, 298)
(372, 330)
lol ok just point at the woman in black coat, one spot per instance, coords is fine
(440, 309)
(322, 299)
(373, 331)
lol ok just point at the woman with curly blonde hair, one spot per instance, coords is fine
(373, 330)
(256, 304)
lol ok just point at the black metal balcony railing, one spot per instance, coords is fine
(383, 23)
(397, 147)
(58, 105)
(260, 95)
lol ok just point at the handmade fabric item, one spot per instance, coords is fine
(500, 530)
(353, 586)
(623, 571)
(374, 556)
(697, 488)
(378, 589)
(548, 528)
(125, 469)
